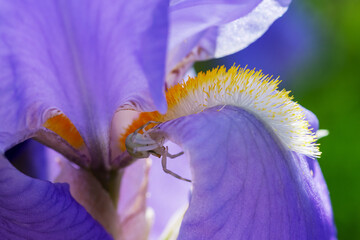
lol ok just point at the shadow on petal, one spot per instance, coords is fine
(30, 158)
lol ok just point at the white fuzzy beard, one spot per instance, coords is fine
(253, 91)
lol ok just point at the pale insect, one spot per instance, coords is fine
(142, 145)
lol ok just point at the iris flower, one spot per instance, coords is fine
(70, 69)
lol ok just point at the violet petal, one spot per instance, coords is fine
(36, 209)
(245, 184)
(167, 194)
(83, 58)
(315, 169)
(203, 29)
(30, 158)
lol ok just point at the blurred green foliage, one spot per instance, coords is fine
(330, 87)
(328, 84)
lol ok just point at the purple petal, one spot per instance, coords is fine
(312, 119)
(83, 58)
(203, 29)
(251, 27)
(287, 45)
(35, 209)
(167, 194)
(315, 169)
(245, 184)
(30, 158)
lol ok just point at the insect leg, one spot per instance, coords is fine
(146, 148)
(142, 128)
(174, 155)
(163, 163)
(148, 123)
(145, 125)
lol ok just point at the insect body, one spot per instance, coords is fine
(142, 145)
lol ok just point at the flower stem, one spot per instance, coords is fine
(110, 181)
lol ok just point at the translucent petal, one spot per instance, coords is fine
(203, 29)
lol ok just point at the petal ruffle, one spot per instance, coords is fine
(245, 184)
(204, 29)
(85, 59)
(35, 209)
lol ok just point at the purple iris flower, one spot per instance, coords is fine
(71, 71)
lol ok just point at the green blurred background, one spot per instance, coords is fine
(315, 48)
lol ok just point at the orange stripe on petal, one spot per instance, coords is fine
(247, 89)
(143, 118)
(62, 126)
